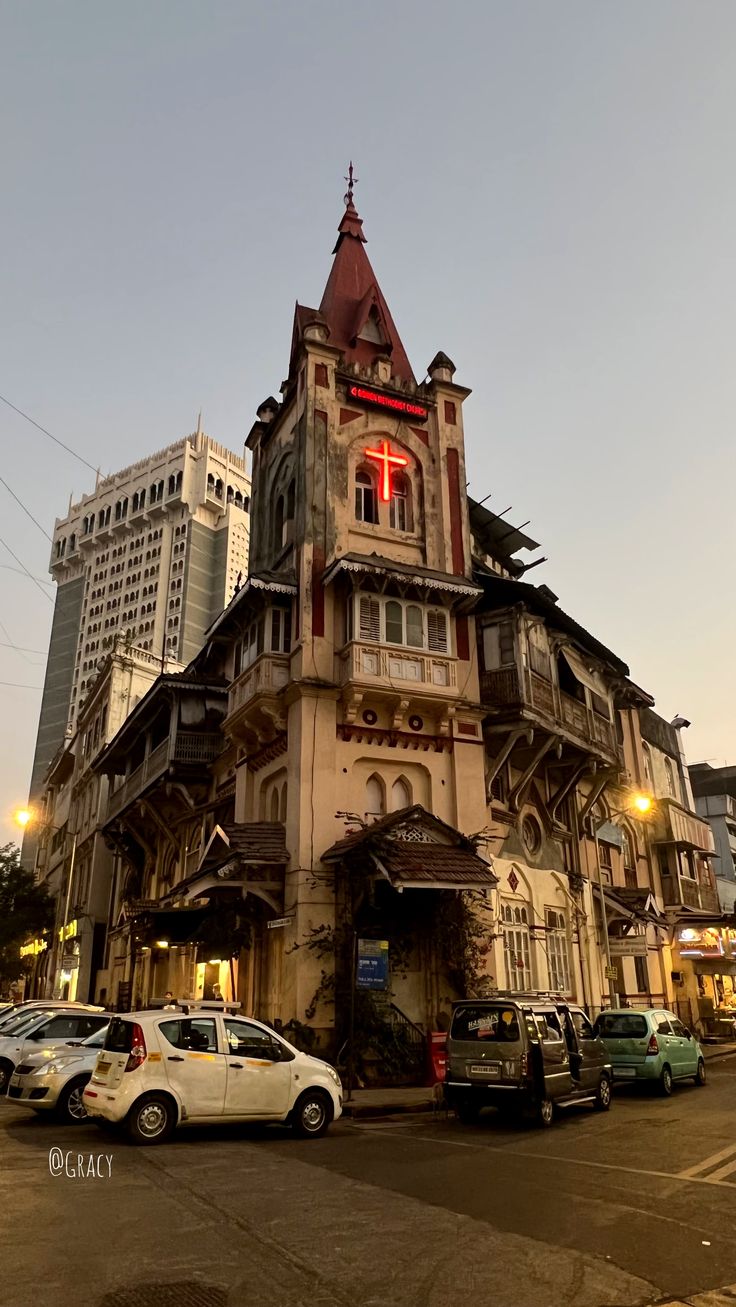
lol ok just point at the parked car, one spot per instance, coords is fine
(652, 1045)
(52, 1081)
(162, 1069)
(524, 1054)
(45, 1027)
(18, 1011)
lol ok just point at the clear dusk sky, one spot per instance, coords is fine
(549, 196)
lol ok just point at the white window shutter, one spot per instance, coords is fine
(370, 619)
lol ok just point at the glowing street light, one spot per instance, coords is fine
(642, 803)
(23, 816)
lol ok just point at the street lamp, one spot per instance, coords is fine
(640, 806)
(27, 817)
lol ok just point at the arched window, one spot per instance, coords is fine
(366, 499)
(414, 626)
(399, 514)
(670, 777)
(274, 803)
(374, 798)
(517, 947)
(647, 755)
(278, 524)
(282, 804)
(394, 622)
(400, 794)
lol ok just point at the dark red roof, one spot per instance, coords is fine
(433, 864)
(352, 295)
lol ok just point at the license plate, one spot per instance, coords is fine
(102, 1068)
(15, 1080)
(486, 1070)
(624, 1072)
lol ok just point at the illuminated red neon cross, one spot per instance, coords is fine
(384, 455)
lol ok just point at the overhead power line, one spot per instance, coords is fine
(20, 648)
(55, 439)
(27, 511)
(16, 685)
(25, 569)
(8, 567)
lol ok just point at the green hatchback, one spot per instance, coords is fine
(650, 1044)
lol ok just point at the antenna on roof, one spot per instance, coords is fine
(351, 181)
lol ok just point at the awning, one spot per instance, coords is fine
(175, 925)
(630, 910)
(422, 866)
(714, 967)
(583, 673)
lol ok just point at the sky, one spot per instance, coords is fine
(549, 197)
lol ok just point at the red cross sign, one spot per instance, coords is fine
(389, 460)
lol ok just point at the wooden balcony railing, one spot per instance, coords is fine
(378, 664)
(267, 675)
(678, 890)
(505, 689)
(186, 747)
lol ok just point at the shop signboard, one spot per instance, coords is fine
(372, 968)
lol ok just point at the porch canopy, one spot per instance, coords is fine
(632, 905)
(248, 858)
(413, 849)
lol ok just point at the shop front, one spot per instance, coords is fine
(704, 971)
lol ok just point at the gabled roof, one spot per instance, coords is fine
(351, 298)
(426, 577)
(415, 849)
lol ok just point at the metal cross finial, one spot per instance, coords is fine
(351, 181)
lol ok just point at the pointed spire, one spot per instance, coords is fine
(352, 299)
(199, 424)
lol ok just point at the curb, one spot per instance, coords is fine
(363, 1111)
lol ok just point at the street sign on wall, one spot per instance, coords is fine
(372, 967)
(628, 946)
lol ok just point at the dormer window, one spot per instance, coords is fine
(366, 498)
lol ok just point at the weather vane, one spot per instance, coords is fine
(351, 181)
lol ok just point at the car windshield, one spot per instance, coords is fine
(97, 1040)
(25, 1021)
(621, 1025)
(486, 1023)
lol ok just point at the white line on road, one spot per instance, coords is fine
(708, 1162)
(683, 1177)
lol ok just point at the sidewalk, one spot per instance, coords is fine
(367, 1103)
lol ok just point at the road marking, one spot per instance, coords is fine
(683, 1177)
(708, 1162)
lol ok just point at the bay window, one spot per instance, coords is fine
(386, 620)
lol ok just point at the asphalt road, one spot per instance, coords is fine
(630, 1207)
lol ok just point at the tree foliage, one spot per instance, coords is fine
(26, 911)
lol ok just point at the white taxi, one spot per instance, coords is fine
(194, 1065)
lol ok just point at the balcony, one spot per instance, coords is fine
(185, 749)
(509, 694)
(379, 666)
(682, 891)
(677, 826)
(266, 676)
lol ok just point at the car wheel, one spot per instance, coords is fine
(70, 1105)
(151, 1120)
(312, 1114)
(545, 1113)
(6, 1071)
(700, 1076)
(665, 1082)
(603, 1094)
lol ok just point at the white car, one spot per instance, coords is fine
(51, 1082)
(195, 1066)
(41, 1028)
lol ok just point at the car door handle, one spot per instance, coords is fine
(176, 1059)
(236, 1066)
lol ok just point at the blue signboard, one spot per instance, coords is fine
(372, 970)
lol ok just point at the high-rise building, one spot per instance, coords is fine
(154, 552)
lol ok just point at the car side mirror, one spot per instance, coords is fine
(688, 1034)
(275, 1052)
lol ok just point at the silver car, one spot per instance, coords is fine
(53, 1080)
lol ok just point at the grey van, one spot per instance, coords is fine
(524, 1053)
